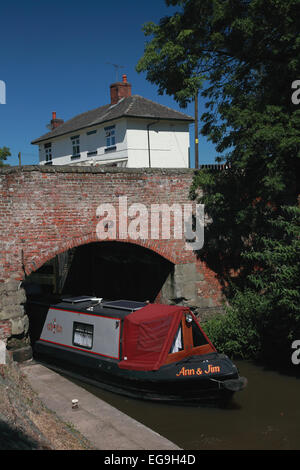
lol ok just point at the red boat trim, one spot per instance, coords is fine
(79, 349)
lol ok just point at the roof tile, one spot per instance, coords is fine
(133, 106)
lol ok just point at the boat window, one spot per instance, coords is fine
(178, 342)
(198, 337)
(83, 335)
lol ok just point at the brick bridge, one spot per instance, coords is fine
(49, 213)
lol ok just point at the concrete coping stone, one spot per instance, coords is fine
(94, 169)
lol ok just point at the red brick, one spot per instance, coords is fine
(45, 211)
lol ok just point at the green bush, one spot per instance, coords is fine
(264, 319)
(237, 333)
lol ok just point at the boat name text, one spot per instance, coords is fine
(211, 370)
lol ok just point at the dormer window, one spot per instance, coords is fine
(48, 153)
(75, 146)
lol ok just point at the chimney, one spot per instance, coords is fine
(120, 90)
(54, 123)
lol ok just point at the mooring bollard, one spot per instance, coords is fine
(75, 403)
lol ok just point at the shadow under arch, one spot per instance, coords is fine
(36, 263)
(117, 270)
(108, 269)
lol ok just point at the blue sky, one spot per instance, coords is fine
(56, 56)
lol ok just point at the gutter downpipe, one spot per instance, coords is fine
(149, 152)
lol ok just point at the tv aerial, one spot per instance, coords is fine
(117, 67)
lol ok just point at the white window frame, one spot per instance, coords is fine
(83, 334)
(48, 152)
(110, 135)
(75, 146)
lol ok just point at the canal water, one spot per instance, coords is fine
(264, 416)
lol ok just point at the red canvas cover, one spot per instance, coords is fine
(148, 336)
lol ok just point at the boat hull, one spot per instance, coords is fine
(206, 379)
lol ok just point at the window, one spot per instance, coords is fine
(83, 335)
(110, 136)
(48, 152)
(198, 337)
(76, 146)
(189, 340)
(178, 342)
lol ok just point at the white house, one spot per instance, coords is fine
(131, 131)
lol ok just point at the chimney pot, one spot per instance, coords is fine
(124, 78)
(55, 122)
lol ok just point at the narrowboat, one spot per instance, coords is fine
(141, 350)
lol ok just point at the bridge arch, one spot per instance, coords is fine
(38, 260)
(111, 269)
(47, 211)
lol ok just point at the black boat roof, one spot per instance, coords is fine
(92, 306)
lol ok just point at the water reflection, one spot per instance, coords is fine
(264, 416)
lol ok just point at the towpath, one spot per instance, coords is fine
(104, 426)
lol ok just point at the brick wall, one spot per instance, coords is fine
(48, 210)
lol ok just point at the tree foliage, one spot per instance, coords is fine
(243, 55)
(4, 153)
(264, 316)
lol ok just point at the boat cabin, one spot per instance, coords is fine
(137, 335)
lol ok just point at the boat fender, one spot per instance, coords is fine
(235, 385)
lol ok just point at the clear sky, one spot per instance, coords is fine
(57, 56)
